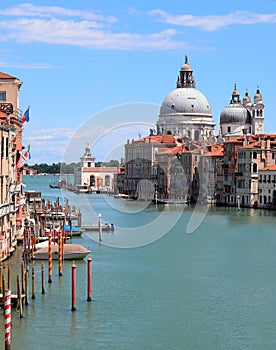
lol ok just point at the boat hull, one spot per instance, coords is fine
(70, 252)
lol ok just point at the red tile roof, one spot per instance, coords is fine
(270, 167)
(6, 76)
(216, 151)
(173, 150)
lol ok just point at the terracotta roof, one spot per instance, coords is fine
(256, 144)
(173, 150)
(6, 76)
(270, 167)
(216, 151)
(235, 139)
(164, 138)
(101, 169)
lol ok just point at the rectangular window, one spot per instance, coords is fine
(3, 96)
(7, 148)
(2, 147)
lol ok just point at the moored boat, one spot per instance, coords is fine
(74, 230)
(70, 252)
(121, 196)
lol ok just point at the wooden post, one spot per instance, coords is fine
(70, 224)
(100, 228)
(33, 244)
(9, 277)
(42, 279)
(89, 279)
(50, 257)
(3, 282)
(26, 288)
(22, 277)
(19, 297)
(1, 278)
(33, 282)
(74, 287)
(79, 219)
(7, 311)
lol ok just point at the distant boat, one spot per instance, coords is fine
(76, 231)
(170, 201)
(95, 227)
(121, 196)
(70, 252)
(83, 189)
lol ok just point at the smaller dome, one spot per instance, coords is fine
(235, 113)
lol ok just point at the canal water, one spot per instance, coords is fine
(157, 285)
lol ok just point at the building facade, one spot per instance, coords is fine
(195, 164)
(11, 192)
(89, 178)
(267, 187)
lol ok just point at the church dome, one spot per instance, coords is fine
(186, 100)
(186, 109)
(235, 112)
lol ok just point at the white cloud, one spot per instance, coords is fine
(30, 10)
(32, 65)
(62, 26)
(214, 22)
(48, 144)
(84, 34)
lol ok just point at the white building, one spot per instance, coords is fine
(89, 178)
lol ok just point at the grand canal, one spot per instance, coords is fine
(154, 285)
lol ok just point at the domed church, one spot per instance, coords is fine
(185, 111)
(242, 117)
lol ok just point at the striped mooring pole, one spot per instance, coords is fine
(60, 252)
(7, 311)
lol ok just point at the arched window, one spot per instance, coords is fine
(255, 168)
(92, 180)
(107, 180)
(196, 137)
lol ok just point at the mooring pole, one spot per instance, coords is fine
(74, 287)
(89, 279)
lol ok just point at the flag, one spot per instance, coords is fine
(26, 115)
(27, 154)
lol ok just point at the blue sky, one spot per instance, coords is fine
(80, 58)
